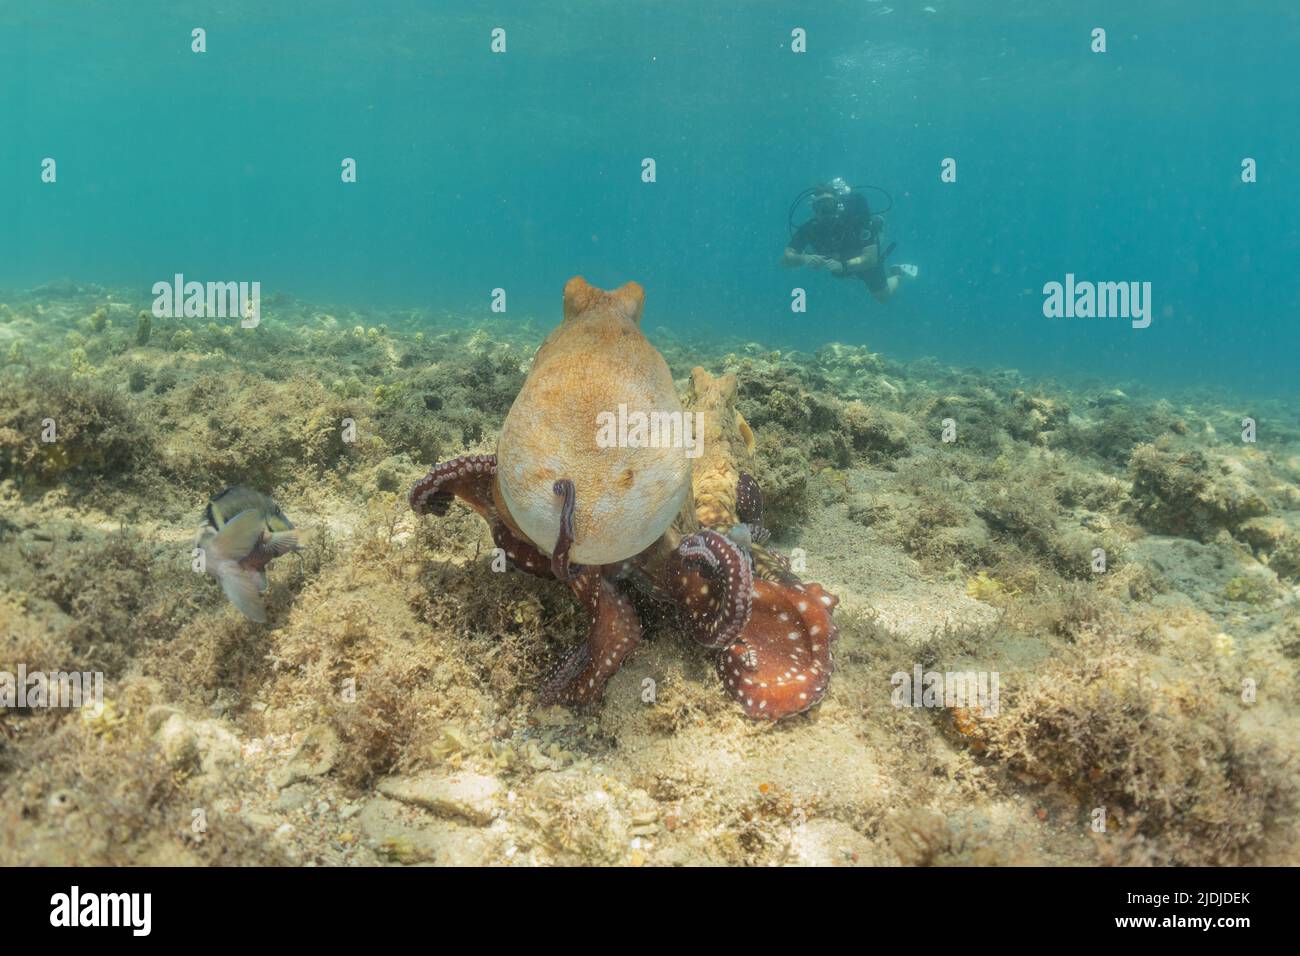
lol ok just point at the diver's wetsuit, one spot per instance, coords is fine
(843, 237)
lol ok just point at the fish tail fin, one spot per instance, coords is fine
(243, 589)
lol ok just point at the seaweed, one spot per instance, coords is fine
(57, 429)
(1167, 756)
(1190, 492)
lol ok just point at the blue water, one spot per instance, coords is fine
(479, 170)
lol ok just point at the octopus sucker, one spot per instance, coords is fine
(469, 478)
(719, 587)
(778, 683)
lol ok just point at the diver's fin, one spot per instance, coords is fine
(242, 589)
(239, 536)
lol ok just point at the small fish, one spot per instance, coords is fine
(243, 532)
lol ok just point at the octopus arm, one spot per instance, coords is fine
(749, 500)
(520, 553)
(469, 478)
(615, 631)
(781, 663)
(560, 566)
(711, 578)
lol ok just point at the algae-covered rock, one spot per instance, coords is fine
(779, 407)
(315, 756)
(1191, 492)
(581, 819)
(1264, 534)
(1166, 759)
(57, 428)
(197, 744)
(782, 472)
(1036, 417)
(1250, 589)
(233, 427)
(1285, 559)
(880, 434)
(1113, 425)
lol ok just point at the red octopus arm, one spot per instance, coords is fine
(469, 478)
(781, 663)
(615, 631)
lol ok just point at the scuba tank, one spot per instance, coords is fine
(843, 194)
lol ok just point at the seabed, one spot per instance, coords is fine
(1119, 558)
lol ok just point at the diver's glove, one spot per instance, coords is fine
(907, 270)
(834, 267)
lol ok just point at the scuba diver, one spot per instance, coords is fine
(846, 239)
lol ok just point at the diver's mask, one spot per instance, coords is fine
(824, 206)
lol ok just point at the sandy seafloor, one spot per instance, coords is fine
(225, 741)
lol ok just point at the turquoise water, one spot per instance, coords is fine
(479, 170)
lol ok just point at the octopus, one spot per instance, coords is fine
(665, 519)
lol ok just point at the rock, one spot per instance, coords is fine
(225, 703)
(396, 840)
(263, 821)
(1192, 492)
(578, 823)
(391, 837)
(1263, 533)
(205, 742)
(156, 716)
(315, 756)
(470, 796)
(295, 796)
(178, 741)
(831, 843)
(219, 749)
